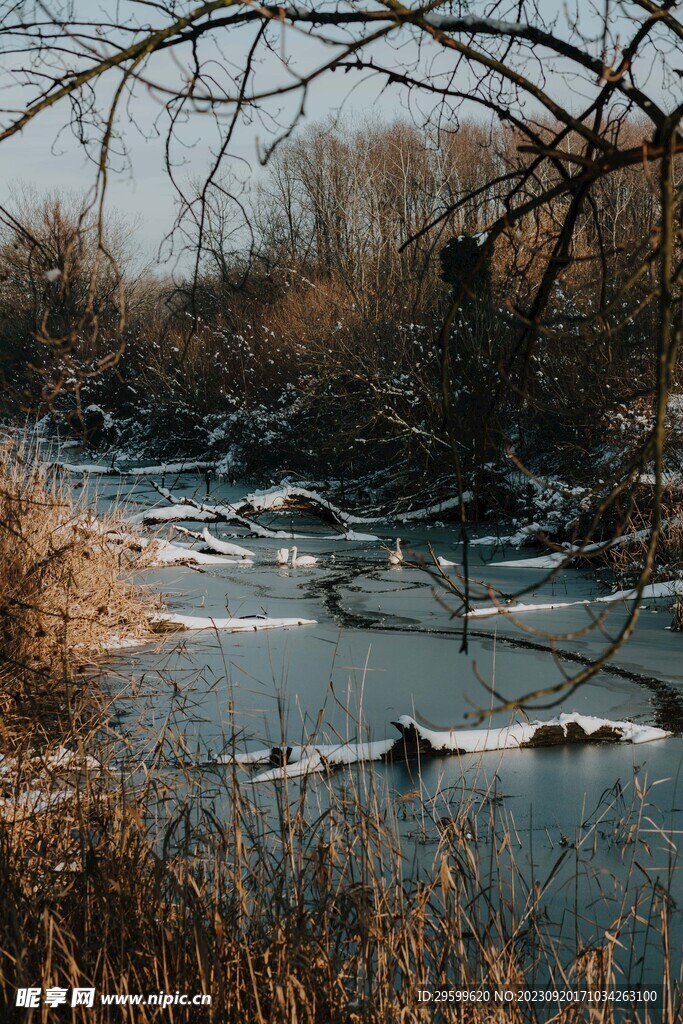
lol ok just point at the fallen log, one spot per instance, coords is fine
(293, 498)
(244, 513)
(167, 622)
(418, 741)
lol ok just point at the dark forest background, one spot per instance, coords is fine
(304, 335)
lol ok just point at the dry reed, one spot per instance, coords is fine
(63, 593)
(302, 906)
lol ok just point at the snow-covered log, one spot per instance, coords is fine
(243, 513)
(172, 622)
(569, 728)
(84, 468)
(180, 512)
(293, 498)
(320, 757)
(188, 509)
(288, 498)
(416, 739)
(99, 469)
(169, 467)
(156, 553)
(430, 511)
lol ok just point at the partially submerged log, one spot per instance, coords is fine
(418, 741)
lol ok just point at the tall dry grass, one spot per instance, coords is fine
(626, 557)
(327, 903)
(63, 592)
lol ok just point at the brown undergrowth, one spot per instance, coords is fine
(626, 556)
(330, 903)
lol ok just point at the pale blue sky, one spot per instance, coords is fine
(50, 160)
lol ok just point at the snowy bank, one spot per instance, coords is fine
(34, 785)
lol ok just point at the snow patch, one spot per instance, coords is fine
(41, 791)
(475, 741)
(318, 758)
(242, 624)
(164, 553)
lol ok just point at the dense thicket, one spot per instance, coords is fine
(308, 340)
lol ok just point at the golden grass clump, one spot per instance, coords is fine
(62, 596)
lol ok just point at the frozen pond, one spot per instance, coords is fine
(383, 646)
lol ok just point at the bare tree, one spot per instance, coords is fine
(62, 304)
